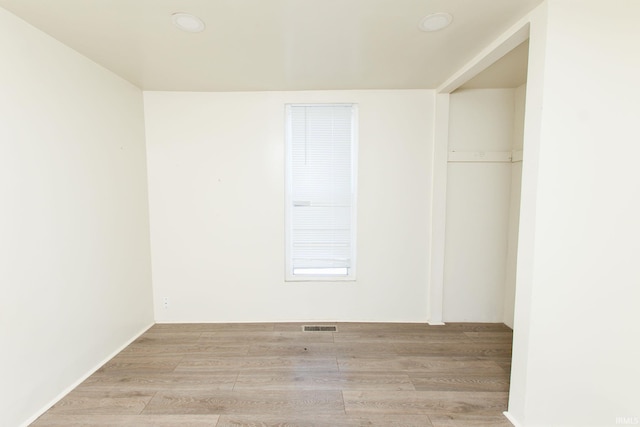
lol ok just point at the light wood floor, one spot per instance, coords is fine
(366, 374)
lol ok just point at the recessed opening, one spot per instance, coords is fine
(319, 328)
(187, 22)
(435, 22)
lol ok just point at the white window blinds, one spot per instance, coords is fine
(321, 141)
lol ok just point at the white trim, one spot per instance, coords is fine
(504, 44)
(355, 128)
(290, 278)
(511, 419)
(480, 156)
(438, 208)
(436, 323)
(288, 190)
(75, 384)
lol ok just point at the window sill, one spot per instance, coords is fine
(320, 279)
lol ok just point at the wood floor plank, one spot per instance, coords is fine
(266, 337)
(213, 327)
(464, 349)
(364, 349)
(80, 402)
(180, 350)
(371, 364)
(124, 362)
(424, 402)
(49, 420)
(463, 420)
(477, 327)
(321, 421)
(459, 365)
(401, 328)
(323, 381)
(402, 338)
(152, 382)
(163, 339)
(302, 348)
(247, 402)
(306, 348)
(460, 382)
(168, 335)
(503, 336)
(419, 364)
(257, 363)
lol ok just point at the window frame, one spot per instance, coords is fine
(289, 276)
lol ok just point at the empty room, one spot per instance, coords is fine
(319, 213)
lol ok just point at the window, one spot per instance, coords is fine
(321, 192)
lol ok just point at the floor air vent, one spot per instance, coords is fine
(320, 329)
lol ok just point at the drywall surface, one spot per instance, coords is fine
(576, 354)
(514, 208)
(512, 245)
(216, 183)
(478, 202)
(74, 248)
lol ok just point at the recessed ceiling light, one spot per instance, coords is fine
(187, 22)
(435, 21)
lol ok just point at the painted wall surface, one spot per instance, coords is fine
(74, 248)
(575, 349)
(478, 203)
(216, 183)
(514, 208)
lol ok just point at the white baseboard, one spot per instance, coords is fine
(435, 323)
(511, 419)
(82, 378)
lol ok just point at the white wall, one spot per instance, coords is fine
(576, 351)
(74, 251)
(514, 207)
(216, 183)
(478, 205)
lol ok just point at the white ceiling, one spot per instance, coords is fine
(275, 44)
